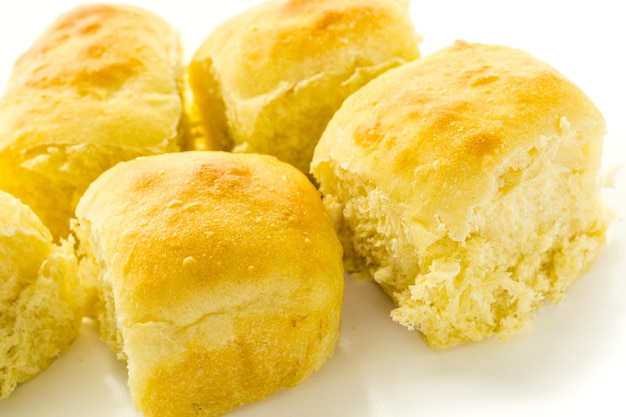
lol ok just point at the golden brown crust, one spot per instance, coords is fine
(225, 272)
(269, 80)
(105, 61)
(102, 84)
(474, 105)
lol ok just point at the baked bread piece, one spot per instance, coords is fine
(40, 301)
(220, 277)
(101, 85)
(268, 80)
(466, 184)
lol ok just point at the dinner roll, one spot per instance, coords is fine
(219, 275)
(40, 301)
(268, 80)
(466, 184)
(102, 84)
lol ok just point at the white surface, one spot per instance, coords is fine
(573, 362)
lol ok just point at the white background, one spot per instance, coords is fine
(573, 362)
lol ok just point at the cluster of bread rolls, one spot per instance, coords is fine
(217, 277)
(465, 183)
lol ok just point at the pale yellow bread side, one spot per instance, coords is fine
(102, 84)
(466, 184)
(220, 277)
(268, 80)
(40, 299)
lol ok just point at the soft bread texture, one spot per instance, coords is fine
(40, 300)
(268, 80)
(219, 275)
(466, 184)
(101, 85)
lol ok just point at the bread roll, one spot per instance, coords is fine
(102, 84)
(466, 184)
(268, 80)
(220, 277)
(40, 303)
